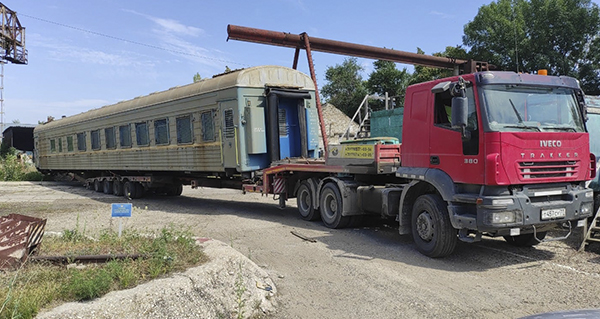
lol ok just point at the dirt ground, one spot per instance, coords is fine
(365, 272)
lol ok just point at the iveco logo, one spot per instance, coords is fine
(550, 143)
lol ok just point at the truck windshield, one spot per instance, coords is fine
(515, 108)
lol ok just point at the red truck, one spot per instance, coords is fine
(486, 153)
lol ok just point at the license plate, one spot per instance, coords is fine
(553, 213)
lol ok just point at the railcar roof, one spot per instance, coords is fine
(254, 77)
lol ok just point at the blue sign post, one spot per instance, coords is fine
(121, 210)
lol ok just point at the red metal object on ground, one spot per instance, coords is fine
(19, 237)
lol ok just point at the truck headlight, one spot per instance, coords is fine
(586, 208)
(589, 194)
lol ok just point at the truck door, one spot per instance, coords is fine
(229, 133)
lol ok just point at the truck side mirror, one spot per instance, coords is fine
(460, 109)
(460, 113)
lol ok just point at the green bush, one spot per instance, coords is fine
(12, 169)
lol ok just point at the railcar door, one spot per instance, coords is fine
(286, 123)
(289, 129)
(229, 133)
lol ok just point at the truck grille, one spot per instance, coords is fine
(531, 170)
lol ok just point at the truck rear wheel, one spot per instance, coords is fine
(306, 202)
(431, 228)
(331, 207)
(525, 240)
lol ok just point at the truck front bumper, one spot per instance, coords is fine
(524, 208)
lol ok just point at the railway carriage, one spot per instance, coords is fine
(223, 129)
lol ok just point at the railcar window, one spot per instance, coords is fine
(60, 145)
(109, 135)
(208, 126)
(184, 130)
(69, 143)
(95, 139)
(161, 132)
(81, 145)
(141, 134)
(125, 135)
(53, 146)
(229, 127)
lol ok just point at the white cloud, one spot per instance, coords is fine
(171, 26)
(172, 36)
(442, 14)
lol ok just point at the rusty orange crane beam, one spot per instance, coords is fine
(352, 49)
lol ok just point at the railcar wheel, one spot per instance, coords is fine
(431, 228)
(331, 207)
(306, 201)
(117, 188)
(97, 186)
(107, 187)
(525, 240)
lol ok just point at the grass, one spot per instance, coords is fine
(37, 285)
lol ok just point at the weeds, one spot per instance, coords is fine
(240, 290)
(37, 285)
(13, 169)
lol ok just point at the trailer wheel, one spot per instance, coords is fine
(431, 228)
(97, 186)
(305, 201)
(331, 207)
(175, 189)
(129, 190)
(139, 190)
(525, 240)
(107, 187)
(117, 188)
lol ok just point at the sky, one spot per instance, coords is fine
(87, 54)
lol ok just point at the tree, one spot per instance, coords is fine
(561, 36)
(345, 88)
(197, 77)
(386, 78)
(424, 74)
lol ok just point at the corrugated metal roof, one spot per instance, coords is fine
(258, 77)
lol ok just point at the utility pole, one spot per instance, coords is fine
(12, 49)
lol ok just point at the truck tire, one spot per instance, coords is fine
(525, 240)
(175, 189)
(129, 190)
(107, 187)
(431, 228)
(97, 186)
(117, 188)
(331, 207)
(139, 190)
(305, 201)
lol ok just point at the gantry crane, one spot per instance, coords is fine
(12, 49)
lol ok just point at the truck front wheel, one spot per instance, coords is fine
(431, 228)
(305, 201)
(331, 207)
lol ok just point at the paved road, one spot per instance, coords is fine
(365, 272)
